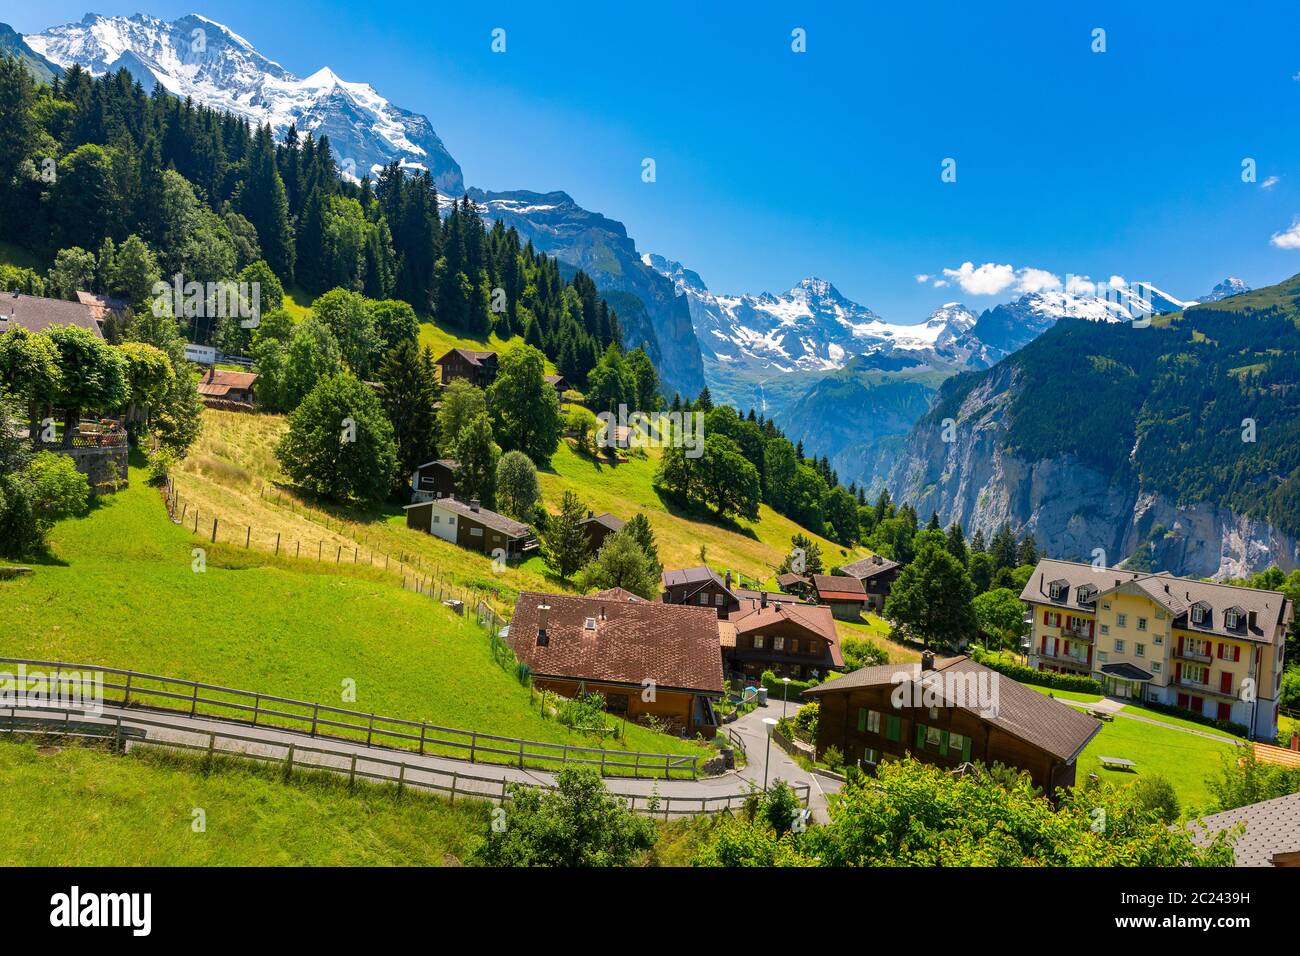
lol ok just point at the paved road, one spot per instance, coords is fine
(1116, 708)
(471, 779)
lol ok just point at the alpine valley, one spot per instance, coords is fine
(1067, 418)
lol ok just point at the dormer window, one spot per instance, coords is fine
(589, 624)
(1058, 590)
(1232, 618)
(1087, 594)
(1200, 613)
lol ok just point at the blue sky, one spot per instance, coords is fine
(773, 165)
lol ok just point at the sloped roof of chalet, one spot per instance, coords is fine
(839, 587)
(869, 567)
(36, 313)
(1177, 595)
(1272, 829)
(815, 619)
(469, 355)
(612, 522)
(1021, 712)
(618, 594)
(490, 519)
(674, 645)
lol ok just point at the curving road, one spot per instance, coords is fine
(485, 780)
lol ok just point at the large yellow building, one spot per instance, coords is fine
(1213, 649)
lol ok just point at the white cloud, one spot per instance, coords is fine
(988, 279)
(1288, 238)
(1118, 282)
(921, 278)
(1080, 285)
(941, 283)
(993, 278)
(1270, 182)
(1036, 280)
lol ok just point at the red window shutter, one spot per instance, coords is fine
(1056, 645)
(1225, 711)
(1225, 683)
(1236, 652)
(1044, 643)
(1221, 646)
(1089, 654)
(1046, 618)
(1180, 643)
(1092, 628)
(1067, 647)
(1178, 671)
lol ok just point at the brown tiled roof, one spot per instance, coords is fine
(698, 575)
(618, 594)
(469, 355)
(1021, 712)
(101, 306)
(790, 579)
(490, 519)
(554, 380)
(1272, 828)
(839, 587)
(869, 567)
(35, 313)
(815, 619)
(218, 382)
(1177, 595)
(674, 645)
(449, 463)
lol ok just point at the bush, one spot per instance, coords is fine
(833, 758)
(578, 824)
(1240, 730)
(860, 652)
(1027, 675)
(1157, 794)
(58, 489)
(583, 712)
(161, 462)
(776, 689)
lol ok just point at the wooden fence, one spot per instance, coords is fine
(321, 756)
(212, 701)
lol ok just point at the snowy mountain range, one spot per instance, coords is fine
(194, 56)
(1226, 289)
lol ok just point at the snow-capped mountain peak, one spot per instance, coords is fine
(200, 58)
(1225, 290)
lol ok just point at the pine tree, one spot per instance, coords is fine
(564, 544)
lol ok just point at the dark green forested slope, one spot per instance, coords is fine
(1169, 404)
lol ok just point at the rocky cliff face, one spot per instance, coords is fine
(960, 465)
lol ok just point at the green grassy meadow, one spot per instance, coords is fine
(121, 592)
(82, 806)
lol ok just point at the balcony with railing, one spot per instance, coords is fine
(1188, 654)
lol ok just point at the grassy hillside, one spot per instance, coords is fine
(122, 593)
(137, 810)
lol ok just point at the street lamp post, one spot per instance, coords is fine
(769, 723)
(785, 695)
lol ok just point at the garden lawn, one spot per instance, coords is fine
(877, 630)
(83, 806)
(122, 594)
(1184, 759)
(1065, 694)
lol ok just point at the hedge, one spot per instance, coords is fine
(776, 687)
(1027, 675)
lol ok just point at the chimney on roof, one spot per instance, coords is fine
(762, 600)
(1167, 591)
(602, 612)
(590, 514)
(877, 559)
(473, 503)
(927, 660)
(543, 618)
(728, 580)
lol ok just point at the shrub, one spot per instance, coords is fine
(833, 758)
(1027, 675)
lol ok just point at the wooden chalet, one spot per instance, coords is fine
(949, 714)
(644, 657)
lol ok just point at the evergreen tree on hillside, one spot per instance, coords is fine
(264, 203)
(564, 543)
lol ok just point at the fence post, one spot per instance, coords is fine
(288, 762)
(473, 744)
(277, 543)
(315, 709)
(194, 701)
(121, 745)
(126, 694)
(352, 774)
(248, 535)
(636, 770)
(257, 708)
(455, 775)
(212, 745)
(214, 530)
(422, 730)
(401, 779)
(370, 731)
(602, 762)
(521, 755)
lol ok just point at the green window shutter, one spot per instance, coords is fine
(965, 750)
(893, 729)
(862, 719)
(943, 743)
(920, 736)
